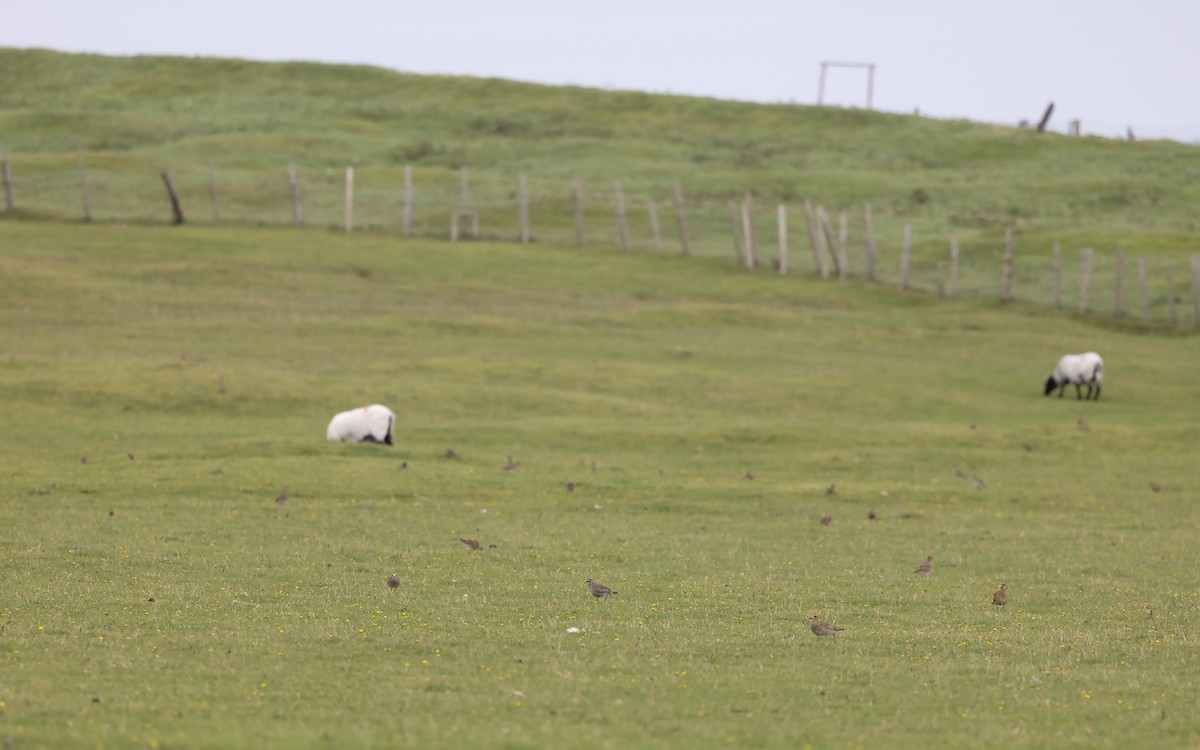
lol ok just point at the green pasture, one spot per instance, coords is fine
(162, 385)
(132, 118)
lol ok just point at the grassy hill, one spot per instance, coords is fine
(133, 117)
(162, 386)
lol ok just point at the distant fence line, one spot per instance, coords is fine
(831, 256)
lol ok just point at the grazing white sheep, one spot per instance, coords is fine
(370, 424)
(1078, 369)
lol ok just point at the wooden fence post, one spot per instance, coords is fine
(654, 228)
(349, 199)
(843, 247)
(464, 212)
(905, 256)
(176, 210)
(294, 182)
(83, 189)
(1057, 263)
(4, 176)
(681, 219)
(622, 227)
(406, 217)
(748, 231)
(212, 191)
(869, 229)
(828, 243)
(1119, 292)
(1171, 295)
(523, 199)
(1196, 290)
(814, 237)
(783, 244)
(953, 264)
(1085, 276)
(735, 229)
(1141, 266)
(1008, 263)
(578, 186)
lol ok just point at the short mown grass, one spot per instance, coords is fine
(162, 386)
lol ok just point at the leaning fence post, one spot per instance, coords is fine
(783, 247)
(654, 228)
(827, 242)
(1145, 300)
(681, 219)
(8, 200)
(1008, 263)
(748, 231)
(622, 227)
(814, 236)
(176, 210)
(1057, 263)
(1085, 276)
(735, 229)
(905, 256)
(953, 264)
(869, 228)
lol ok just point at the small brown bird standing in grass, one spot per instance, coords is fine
(823, 628)
(1156, 487)
(978, 482)
(450, 453)
(598, 590)
(826, 520)
(1000, 598)
(393, 581)
(512, 465)
(282, 497)
(570, 486)
(831, 489)
(471, 544)
(959, 473)
(926, 567)
(749, 474)
(872, 515)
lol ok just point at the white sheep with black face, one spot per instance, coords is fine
(373, 423)
(1079, 370)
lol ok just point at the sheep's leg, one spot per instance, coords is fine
(1078, 392)
(1097, 396)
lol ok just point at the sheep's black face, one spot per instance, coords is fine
(1050, 385)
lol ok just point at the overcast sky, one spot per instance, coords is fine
(1113, 65)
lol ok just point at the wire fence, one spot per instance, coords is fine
(750, 230)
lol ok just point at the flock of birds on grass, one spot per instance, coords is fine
(376, 423)
(600, 591)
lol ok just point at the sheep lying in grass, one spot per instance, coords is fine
(370, 424)
(1078, 369)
